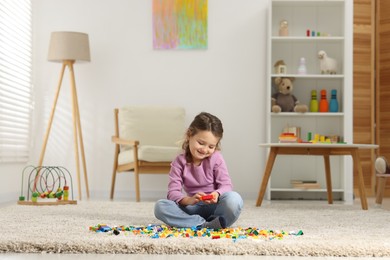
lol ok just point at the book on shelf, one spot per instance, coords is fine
(305, 184)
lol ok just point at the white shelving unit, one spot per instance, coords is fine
(333, 19)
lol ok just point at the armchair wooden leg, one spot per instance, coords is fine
(113, 183)
(137, 192)
(114, 172)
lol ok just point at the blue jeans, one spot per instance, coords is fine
(229, 206)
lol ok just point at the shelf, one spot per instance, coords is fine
(307, 2)
(310, 76)
(289, 39)
(332, 19)
(300, 190)
(307, 114)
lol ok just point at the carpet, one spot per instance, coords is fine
(329, 230)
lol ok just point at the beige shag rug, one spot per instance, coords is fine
(329, 230)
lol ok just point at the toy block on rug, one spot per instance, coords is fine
(163, 231)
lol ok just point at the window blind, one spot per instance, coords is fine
(15, 79)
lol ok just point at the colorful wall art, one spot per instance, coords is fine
(180, 24)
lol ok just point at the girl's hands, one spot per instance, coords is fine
(215, 197)
(190, 200)
(198, 197)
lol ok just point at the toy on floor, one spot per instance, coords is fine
(381, 165)
(48, 185)
(163, 231)
(382, 169)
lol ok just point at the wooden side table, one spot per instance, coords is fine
(380, 192)
(324, 150)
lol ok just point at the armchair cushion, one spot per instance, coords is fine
(149, 153)
(158, 129)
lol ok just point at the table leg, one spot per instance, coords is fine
(328, 179)
(267, 174)
(358, 167)
(380, 190)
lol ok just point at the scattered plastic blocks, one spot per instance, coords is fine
(163, 231)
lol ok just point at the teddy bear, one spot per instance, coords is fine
(284, 100)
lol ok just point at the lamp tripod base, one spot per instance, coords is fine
(78, 137)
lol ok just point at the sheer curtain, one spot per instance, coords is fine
(15, 79)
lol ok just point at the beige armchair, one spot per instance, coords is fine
(147, 139)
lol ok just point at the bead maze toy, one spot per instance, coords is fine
(47, 185)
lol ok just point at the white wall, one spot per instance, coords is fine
(227, 80)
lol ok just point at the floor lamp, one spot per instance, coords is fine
(67, 48)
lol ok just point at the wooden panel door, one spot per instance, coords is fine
(364, 88)
(383, 79)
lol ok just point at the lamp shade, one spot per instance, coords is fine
(69, 46)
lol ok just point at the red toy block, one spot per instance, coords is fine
(207, 197)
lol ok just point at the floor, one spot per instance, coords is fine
(164, 257)
(161, 257)
(371, 203)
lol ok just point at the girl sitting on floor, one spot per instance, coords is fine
(200, 170)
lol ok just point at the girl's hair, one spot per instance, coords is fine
(202, 122)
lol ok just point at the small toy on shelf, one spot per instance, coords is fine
(302, 66)
(284, 100)
(318, 34)
(333, 104)
(324, 139)
(328, 65)
(314, 101)
(283, 28)
(288, 138)
(290, 134)
(280, 67)
(324, 106)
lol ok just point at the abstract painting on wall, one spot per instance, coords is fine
(180, 24)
